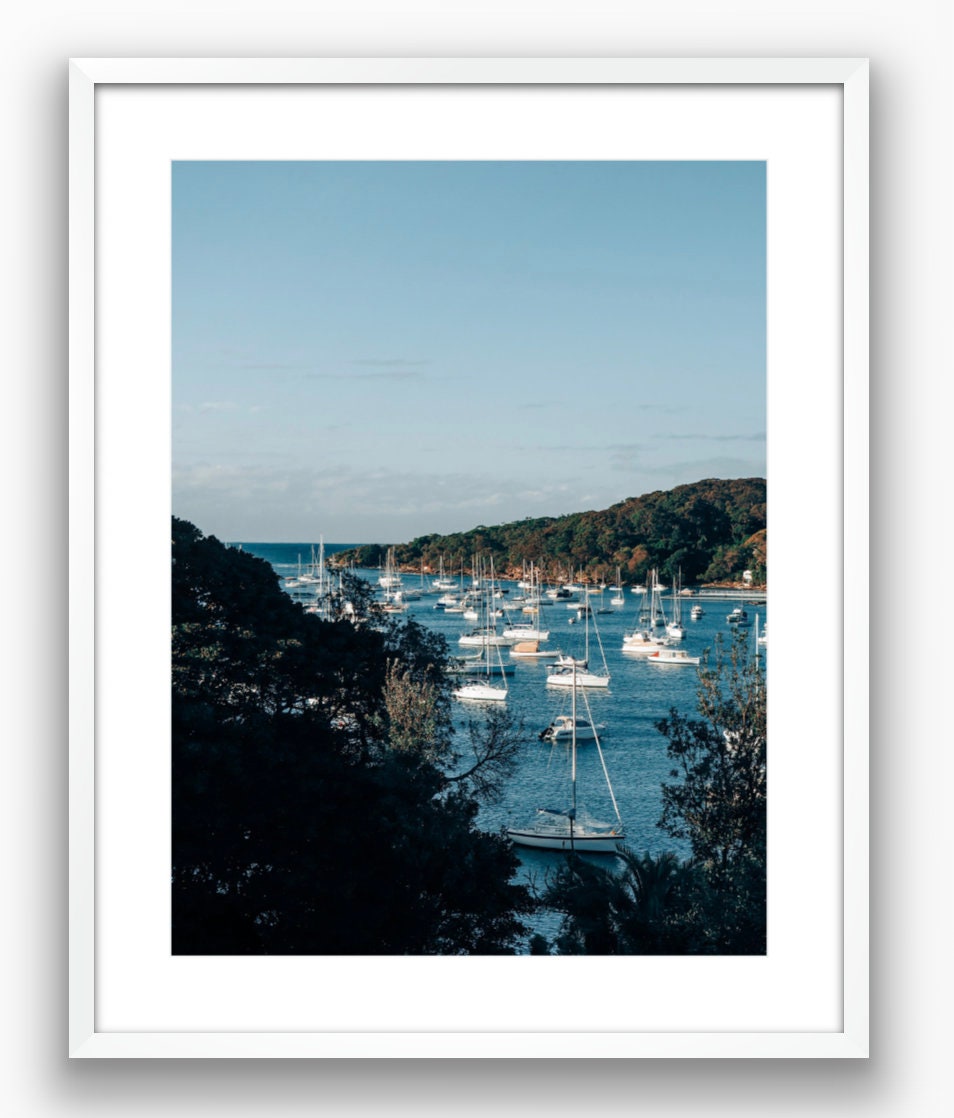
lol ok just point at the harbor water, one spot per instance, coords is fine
(640, 694)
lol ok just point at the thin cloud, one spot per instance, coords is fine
(666, 409)
(574, 448)
(218, 405)
(221, 491)
(383, 374)
(391, 362)
(709, 467)
(273, 366)
(757, 437)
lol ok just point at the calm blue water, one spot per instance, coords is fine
(639, 695)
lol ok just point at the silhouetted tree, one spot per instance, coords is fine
(718, 799)
(641, 907)
(310, 810)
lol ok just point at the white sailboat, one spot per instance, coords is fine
(486, 632)
(484, 690)
(579, 675)
(657, 619)
(526, 631)
(321, 604)
(642, 641)
(572, 829)
(675, 627)
(618, 599)
(481, 664)
(442, 582)
(389, 579)
(390, 582)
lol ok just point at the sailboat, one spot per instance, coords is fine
(526, 631)
(390, 582)
(675, 628)
(484, 691)
(486, 632)
(571, 829)
(442, 582)
(390, 579)
(642, 641)
(322, 582)
(657, 619)
(579, 675)
(618, 599)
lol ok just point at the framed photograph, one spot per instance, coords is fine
(175, 162)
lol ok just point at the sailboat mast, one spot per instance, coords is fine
(573, 760)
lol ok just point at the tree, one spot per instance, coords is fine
(718, 799)
(643, 907)
(313, 810)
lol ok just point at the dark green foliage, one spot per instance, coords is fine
(299, 826)
(711, 530)
(718, 799)
(642, 908)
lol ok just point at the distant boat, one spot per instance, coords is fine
(442, 582)
(390, 583)
(618, 599)
(641, 641)
(482, 636)
(657, 617)
(671, 656)
(478, 665)
(563, 726)
(738, 617)
(482, 693)
(389, 579)
(526, 631)
(574, 675)
(484, 612)
(674, 629)
(531, 650)
(485, 691)
(696, 612)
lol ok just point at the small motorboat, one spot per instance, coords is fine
(561, 729)
(672, 656)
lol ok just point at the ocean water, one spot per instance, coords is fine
(639, 695)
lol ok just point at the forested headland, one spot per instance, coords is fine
(711, 531)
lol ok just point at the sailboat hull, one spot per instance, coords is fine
(583, 679)
(581, 843)
(481, 693)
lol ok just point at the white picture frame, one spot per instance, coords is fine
(92, 426)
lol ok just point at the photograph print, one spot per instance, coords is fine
(469, 558)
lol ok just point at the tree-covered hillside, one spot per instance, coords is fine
(712, 530)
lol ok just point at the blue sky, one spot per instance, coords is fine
(375, 351)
